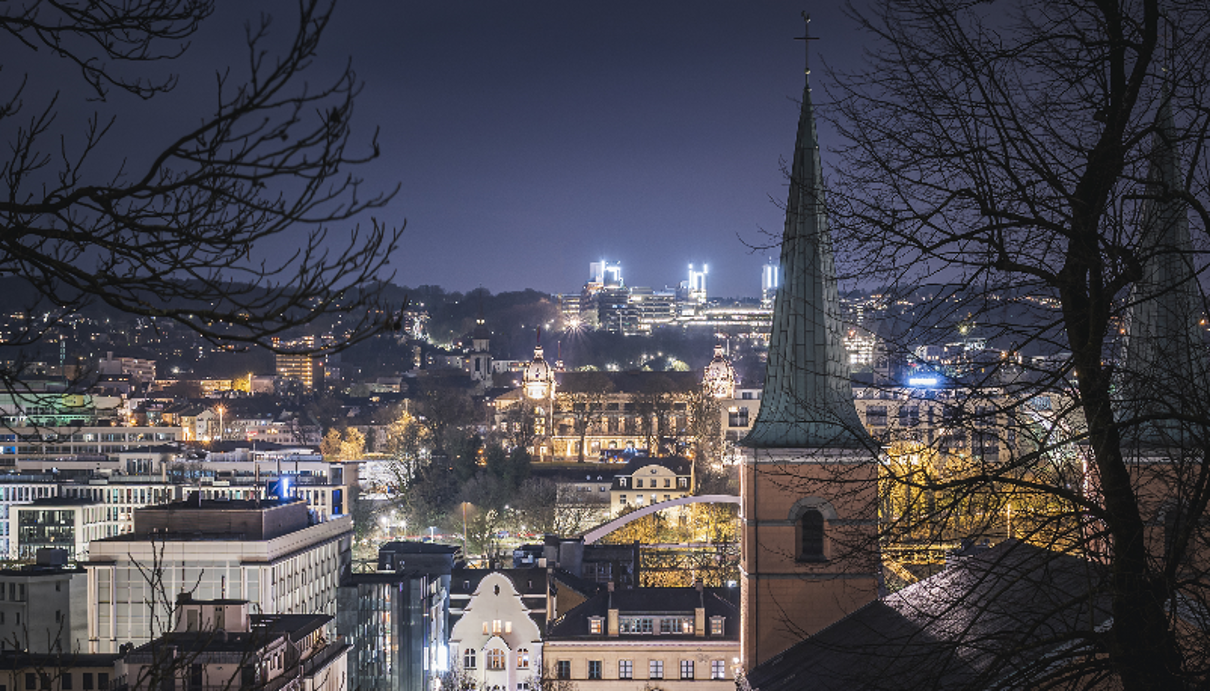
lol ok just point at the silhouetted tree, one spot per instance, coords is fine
(180, 234)
(1038, 154)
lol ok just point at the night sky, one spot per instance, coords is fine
(530, 138)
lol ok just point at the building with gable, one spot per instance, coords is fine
(647, 480)
(496, 636)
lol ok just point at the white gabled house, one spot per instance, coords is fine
(497, 641)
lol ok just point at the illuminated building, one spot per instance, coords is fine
(496, 625)
(697, 284)
(267, 552)
(305, 368)
(770, 278)
(674, 638)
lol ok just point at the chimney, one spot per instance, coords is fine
(699, 612)
(612, 623)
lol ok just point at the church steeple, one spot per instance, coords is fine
(807, 399)
(1163, 352)
(809, 477)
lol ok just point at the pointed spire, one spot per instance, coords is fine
(1163, 354)
(807, 400)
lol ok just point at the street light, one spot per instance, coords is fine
(464, 549)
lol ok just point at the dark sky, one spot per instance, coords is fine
(533, 137)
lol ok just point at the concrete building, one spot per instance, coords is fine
(65, 523)
(43, 607)
(140, 370)
(305, 368)
(54, 442)
(56, 671)
(671, 638)
(269, 552)
(21, 489)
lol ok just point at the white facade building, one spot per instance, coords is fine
(496, 640)
(267, 552)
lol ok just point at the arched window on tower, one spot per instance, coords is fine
(811, 535)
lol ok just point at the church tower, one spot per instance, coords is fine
(479, 361)
(1162, 374)
(808, 481)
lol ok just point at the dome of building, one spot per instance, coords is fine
(719, 379)
(538, 377)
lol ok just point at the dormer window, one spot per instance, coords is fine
(621, 482)
(716, 625)
(596, 625)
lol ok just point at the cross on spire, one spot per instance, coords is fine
(806, 39)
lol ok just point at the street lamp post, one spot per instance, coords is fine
(464, 548)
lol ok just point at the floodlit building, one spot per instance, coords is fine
(647, 480)
(269, 552)
(498, 619)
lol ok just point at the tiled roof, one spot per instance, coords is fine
(978, 624)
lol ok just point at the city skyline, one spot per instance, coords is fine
(529, 140)
(650, 135)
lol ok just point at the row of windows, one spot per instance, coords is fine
(638, 498)
(909, 416)
(647, 624)
(655, 669)
(34, 682)
(495, 659)
(681, 482)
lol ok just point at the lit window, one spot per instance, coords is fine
(594, 625)
(718, 669)
(716, 625)
(495, 659)
(523, 658)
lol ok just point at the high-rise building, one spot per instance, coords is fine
(604, 273)
(697, 284)
(770, 278)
